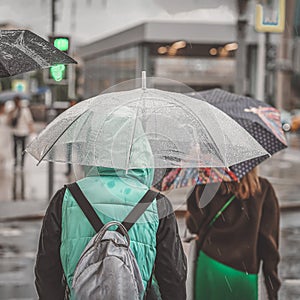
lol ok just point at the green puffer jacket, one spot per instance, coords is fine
(170, 262)
(113, 195)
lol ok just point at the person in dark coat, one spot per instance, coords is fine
(245, 234)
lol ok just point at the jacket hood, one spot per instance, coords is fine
(145, 175)
(128, 145)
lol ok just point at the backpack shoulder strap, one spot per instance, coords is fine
(85, 206)
(93, 218)
(139, 209)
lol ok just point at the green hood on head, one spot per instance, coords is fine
(145, 176)
(127, 145)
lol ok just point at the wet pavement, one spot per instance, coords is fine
(18, 239)
(289, 268)
(18, 244)
(31, 182)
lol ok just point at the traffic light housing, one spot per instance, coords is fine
(59, 73)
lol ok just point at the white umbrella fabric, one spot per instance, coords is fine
(112, 129)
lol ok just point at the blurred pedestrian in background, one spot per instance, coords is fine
(4, 135)
(236, 231)
(20, 119)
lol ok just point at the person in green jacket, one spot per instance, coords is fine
(113, 193)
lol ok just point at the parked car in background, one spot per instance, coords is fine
(295, 120)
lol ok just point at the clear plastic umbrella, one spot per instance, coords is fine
(144, 127)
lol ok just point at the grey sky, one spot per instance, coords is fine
(93, 19)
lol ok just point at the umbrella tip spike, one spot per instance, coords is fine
(144, 80)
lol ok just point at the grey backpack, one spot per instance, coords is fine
(107, 268)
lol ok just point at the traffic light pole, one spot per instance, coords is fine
(241, 53)
(261, 67)
(53, 16)
(50, 112)
(58, 75)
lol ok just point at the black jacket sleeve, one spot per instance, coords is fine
(170, 264)
(48, 269)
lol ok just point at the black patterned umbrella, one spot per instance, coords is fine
(261, 120)
(22, 51)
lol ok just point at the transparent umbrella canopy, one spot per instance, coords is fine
(134, 126)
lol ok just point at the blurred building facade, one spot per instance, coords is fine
(196, 54)
(202, 55)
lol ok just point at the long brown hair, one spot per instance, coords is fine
(246, 188)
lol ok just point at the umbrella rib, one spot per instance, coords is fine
(60, 136)
(132, 135)
(22, 48)
(34, 56)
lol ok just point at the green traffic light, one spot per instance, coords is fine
(62, 44)
(57, 72)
